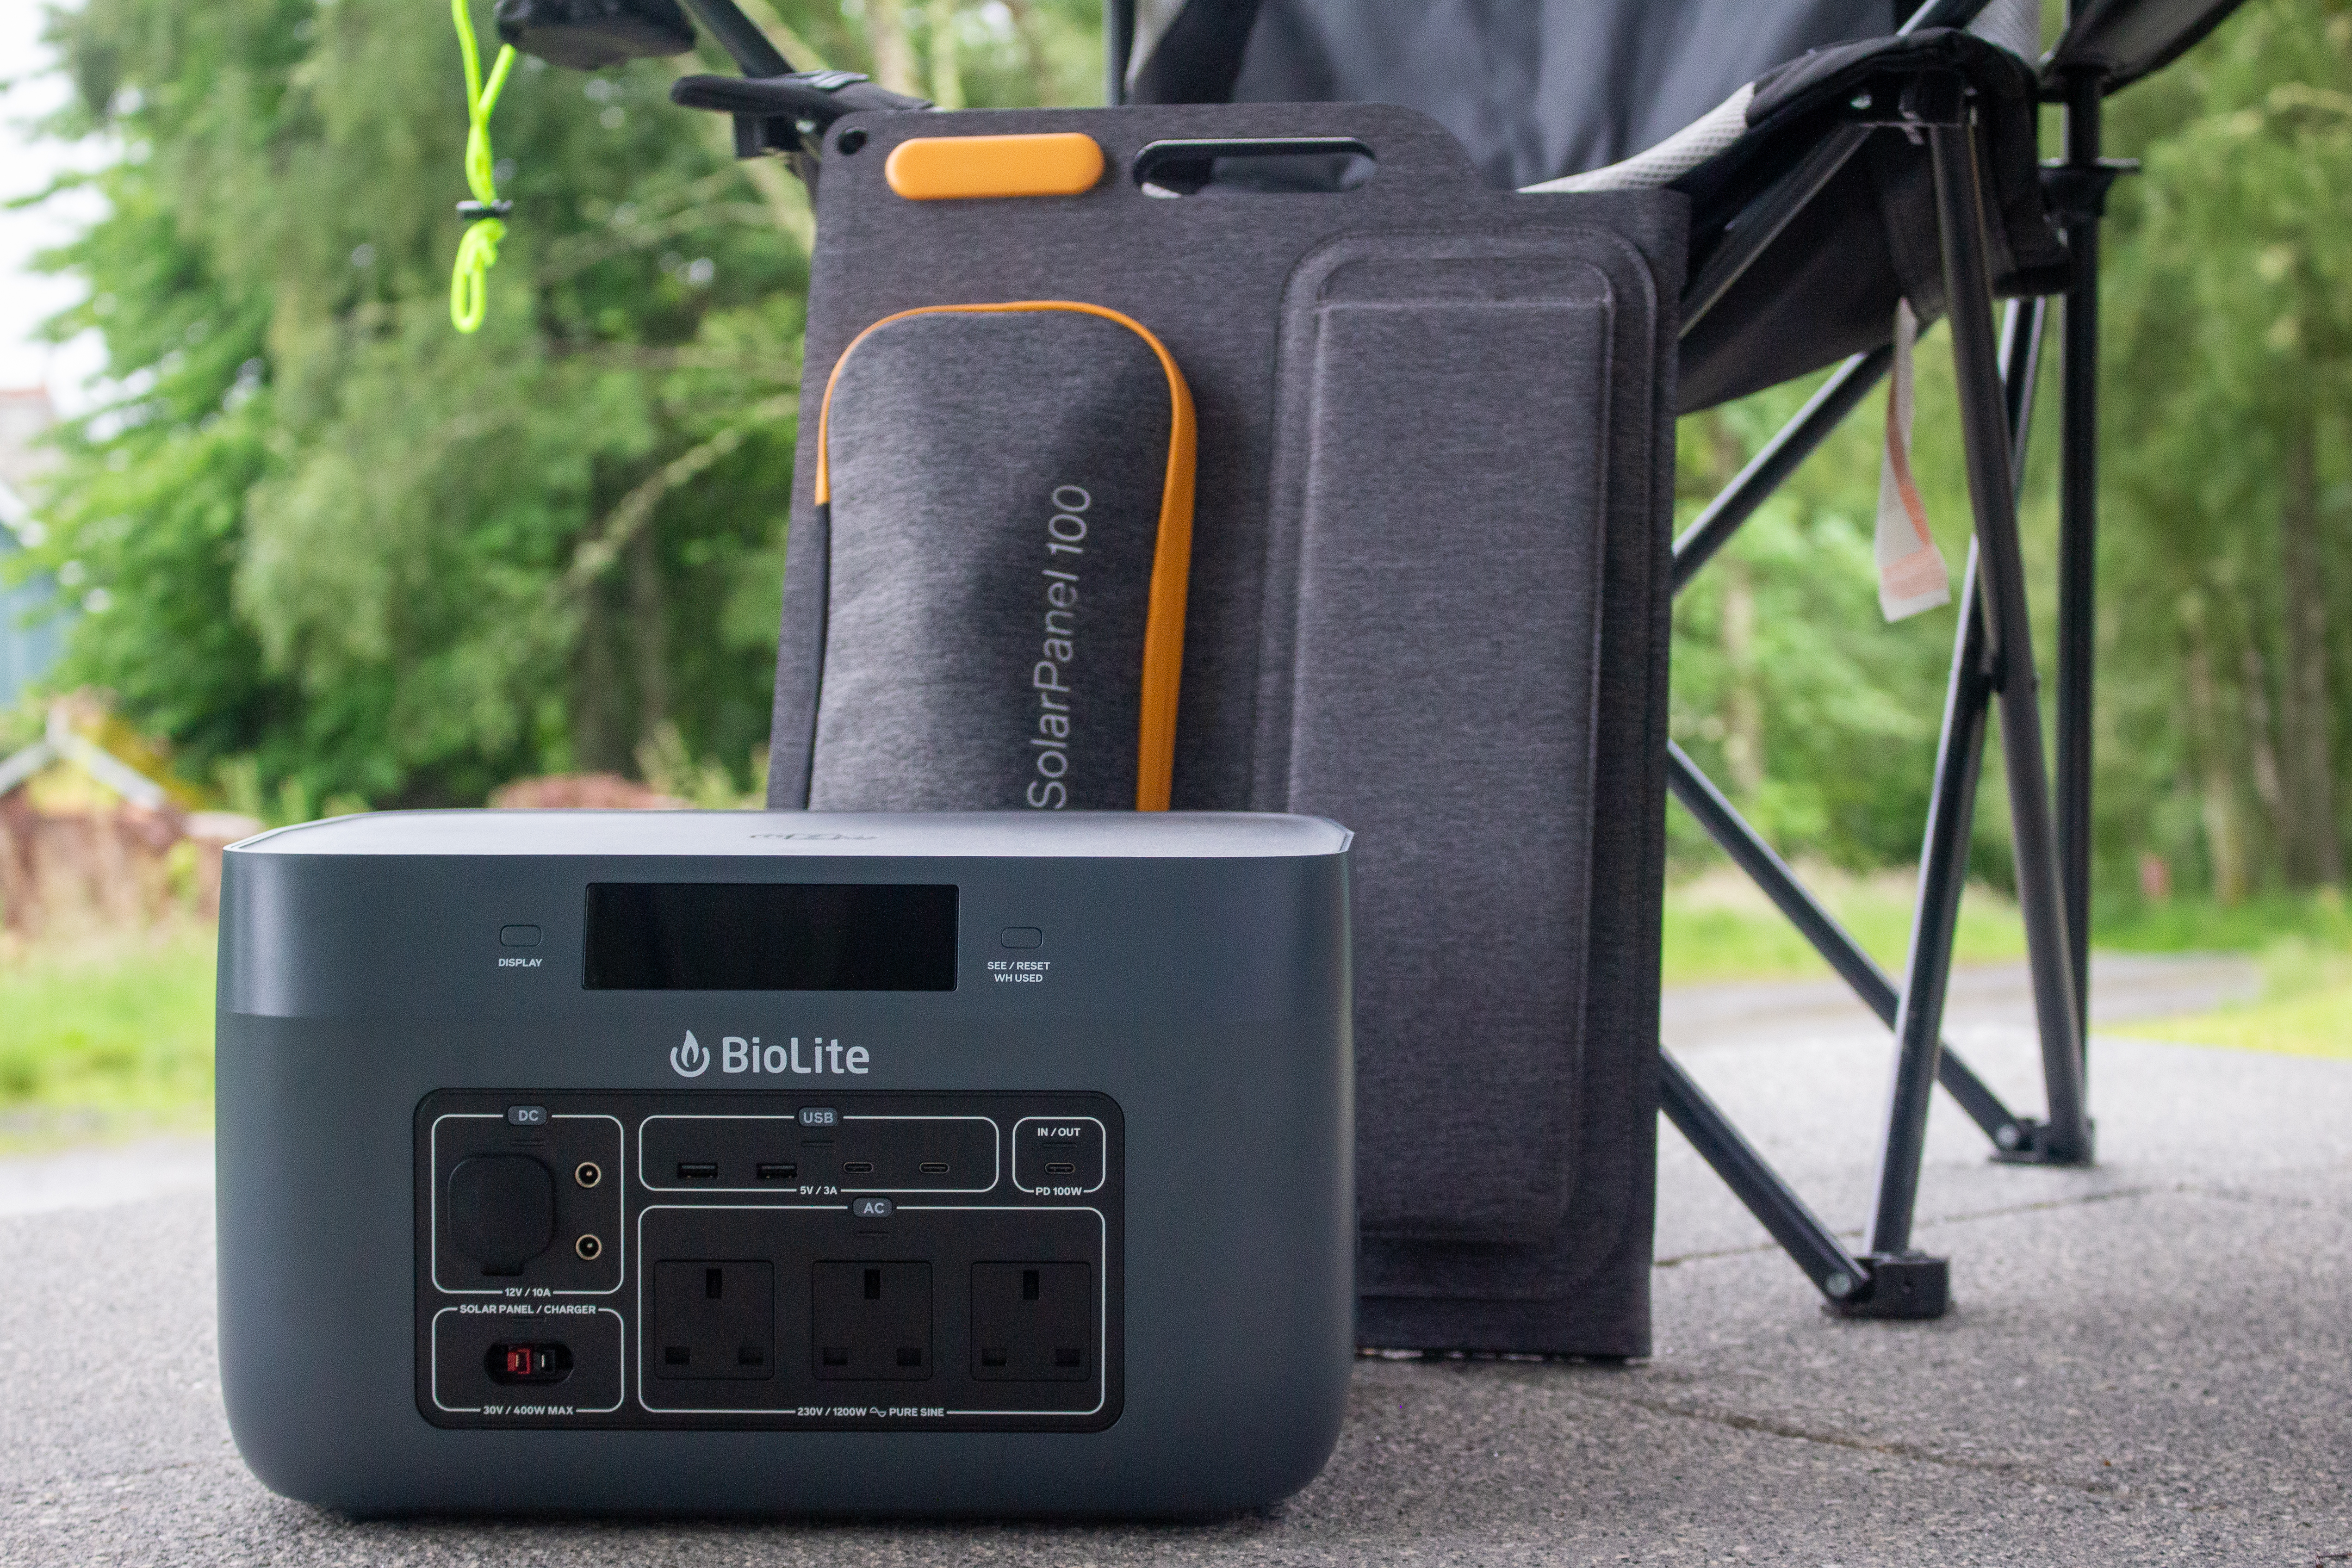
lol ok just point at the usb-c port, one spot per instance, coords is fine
(858, 1167)
(698, 1170)
(1062, 1167)
(935, 1167)
(783, 1171)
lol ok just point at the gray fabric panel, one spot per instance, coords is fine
(1538, 90)
(1586, 1290)
(1607, 1214)
(1443, 709)
(984, 644)
(1208, 276)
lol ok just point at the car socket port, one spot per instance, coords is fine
(545, 1361)
(778, 1170)
(501, 1211)
(1033, 1323)
(587, 1173)
(698, 1170)
(873, 1320)
(589, 1248)
(713, 1318)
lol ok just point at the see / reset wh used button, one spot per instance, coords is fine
(1021, 937)
(518, 935)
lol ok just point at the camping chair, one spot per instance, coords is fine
(1894, 161)
(1837, 165)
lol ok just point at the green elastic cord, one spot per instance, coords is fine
(479, 251)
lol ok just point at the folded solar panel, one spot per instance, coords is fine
(1423, 592)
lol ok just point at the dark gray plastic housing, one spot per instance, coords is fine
(376, 971)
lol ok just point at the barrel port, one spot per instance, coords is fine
(589, 1249)
(587, 1173)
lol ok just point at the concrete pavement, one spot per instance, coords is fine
(2149, 1362)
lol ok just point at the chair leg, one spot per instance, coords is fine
(2013, 1136)
(1944, 855)
(2001, 579)
(1119, 43)
(1799, 1231)
(1877, 993)
(2078, 524)
(1904, 1287)
(1943, 873)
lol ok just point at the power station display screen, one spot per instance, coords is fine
(771, 936)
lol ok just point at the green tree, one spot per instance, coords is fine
(1790, 689)
(2225, 711)
(332, 540)
(2224, 716)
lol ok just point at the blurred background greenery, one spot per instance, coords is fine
(330, 555)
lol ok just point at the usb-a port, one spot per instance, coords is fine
(776, 1171)
(698, 1170)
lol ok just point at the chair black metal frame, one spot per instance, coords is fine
(2105, 45)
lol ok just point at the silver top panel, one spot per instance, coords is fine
(1027, 835)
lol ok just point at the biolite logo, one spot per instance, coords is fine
(741, 1056)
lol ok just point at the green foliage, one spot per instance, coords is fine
(1719, 928)
(2305, 1006)
(344, 552)
(2224, 663)
(2225, 557)
(348, 555)
(2196, 926)
(1819, 719)
(124, 1030)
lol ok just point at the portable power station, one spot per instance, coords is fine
(786, 1162)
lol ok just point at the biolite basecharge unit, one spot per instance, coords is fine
(786, 1162)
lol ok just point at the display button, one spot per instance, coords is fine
(519, 936)
(1021, 937)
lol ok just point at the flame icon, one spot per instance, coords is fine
(689, 1058)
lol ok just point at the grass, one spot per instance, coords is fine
(2305, 1007)
(1720, 927)
(107, 1035)
(104, 1035)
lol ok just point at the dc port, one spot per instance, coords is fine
(547, 1362)
(589, 1249)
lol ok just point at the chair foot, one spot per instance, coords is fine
(1900, 1285)
(2036, 1146)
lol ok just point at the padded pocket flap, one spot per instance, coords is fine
(1009, 490)
(1444, 471)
